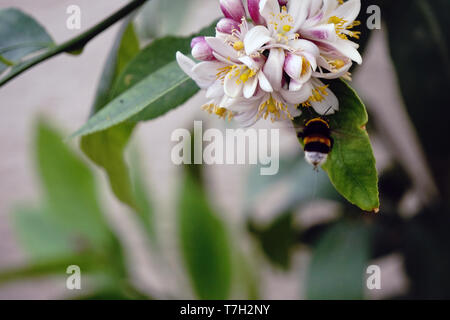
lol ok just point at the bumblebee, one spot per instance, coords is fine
(317, 141)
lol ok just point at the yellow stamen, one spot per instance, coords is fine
(287, 28)
(273, 108)
(238, 45)
(305, 66)
(221, 112)
(338, 63)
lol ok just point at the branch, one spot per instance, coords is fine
(74, 44)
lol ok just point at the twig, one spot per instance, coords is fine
(74, 44)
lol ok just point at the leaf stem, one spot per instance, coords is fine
(73, 44)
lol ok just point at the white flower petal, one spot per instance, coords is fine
(348, 11)
(299, 12)
(269, 7)
(185, 63)
(305, 46)
(264, 83)
(250, 87)
(222, 48)
(232, 87)
(345, 48)
(273, 69)
(294, 85)
(256, 38)
(297, 97)
(215, 90)
(328, 105)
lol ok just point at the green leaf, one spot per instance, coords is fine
(158, 88)
(143, 200)
(69, 188)
(20, 35)
(106, 148)
(277, 240)
(56, 266)
(351, 164)
(125, 48)
(41, 237)
(338, 263)
(204, 243)
(160, 92)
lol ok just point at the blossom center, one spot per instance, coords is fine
(219, 111)
(318, 94)
(343, 31)
(273, 109)
(282, 23)
(242, 73)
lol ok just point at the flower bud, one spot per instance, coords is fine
(253, 10)
(233, 9)
(201, 50)
(226, 25)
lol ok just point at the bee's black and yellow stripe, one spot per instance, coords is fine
(317, 136)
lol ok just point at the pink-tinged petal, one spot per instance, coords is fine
(264, 83)
(226, 25)
(201, 50)
(305, 46)
(348, 11)
(297, 97)
(197, 40)
(256, 38)
(253, 10)
(320, 32)
(268, 7)
(273, 69)
(233, 9)
(250, 87)
(293, 65)
(222, 48)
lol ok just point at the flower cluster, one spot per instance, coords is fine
(270, 64)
